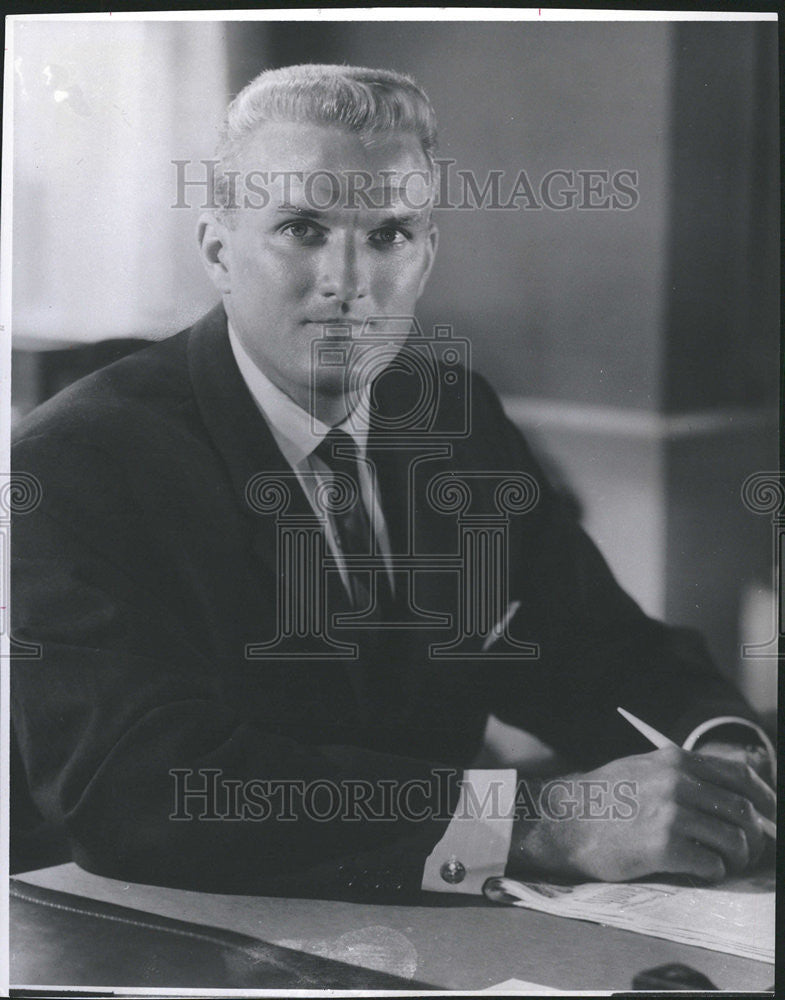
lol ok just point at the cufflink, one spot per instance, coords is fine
(452, 871)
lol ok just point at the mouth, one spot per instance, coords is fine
(334, 321)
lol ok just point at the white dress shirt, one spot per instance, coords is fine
(477, 839)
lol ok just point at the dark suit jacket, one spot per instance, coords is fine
(144, 573)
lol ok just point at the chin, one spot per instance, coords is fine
(332, 387)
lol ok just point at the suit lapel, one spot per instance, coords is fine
(244, 440)
(238, 430)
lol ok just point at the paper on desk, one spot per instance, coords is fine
(524, 987)
(736, 917)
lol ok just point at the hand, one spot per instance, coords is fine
(687, 813)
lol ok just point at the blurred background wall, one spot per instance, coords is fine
(637, 349)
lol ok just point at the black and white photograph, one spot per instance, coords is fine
(390, 501)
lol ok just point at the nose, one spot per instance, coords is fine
(342, 274)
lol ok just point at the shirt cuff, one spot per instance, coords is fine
(476, 844)
(724, 720)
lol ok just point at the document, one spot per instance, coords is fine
(526, 988)
(736, 917)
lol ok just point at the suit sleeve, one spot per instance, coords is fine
(121, 712)
(597, 649)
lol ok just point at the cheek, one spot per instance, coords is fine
(276, 275)
(398, 282)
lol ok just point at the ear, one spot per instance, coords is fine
(213, 238)
(431, 248)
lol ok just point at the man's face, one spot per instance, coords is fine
(320, 251)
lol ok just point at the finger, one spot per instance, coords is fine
(725, 806)
(735, 777)
(760, 762)
(686, 857)
(725, 839)
(768, 856)
(757, 757)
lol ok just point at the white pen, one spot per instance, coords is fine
(651, 734)
(501, 627)
(660, 741)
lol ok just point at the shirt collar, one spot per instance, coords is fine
(296, 432)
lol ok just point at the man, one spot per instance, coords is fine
(248, 684)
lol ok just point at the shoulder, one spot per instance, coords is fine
(100, 449)
(89, 444)
(496, 445)
(490, 427)
(151, 381)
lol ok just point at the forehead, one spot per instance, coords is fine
(312, 146)
(298, 158)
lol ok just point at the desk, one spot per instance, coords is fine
(447, 942)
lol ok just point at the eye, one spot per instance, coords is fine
(389, 236)
(300, 230)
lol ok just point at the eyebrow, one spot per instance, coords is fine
(402, 220)
(314, 213)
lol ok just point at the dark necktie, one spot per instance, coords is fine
(353, 529)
